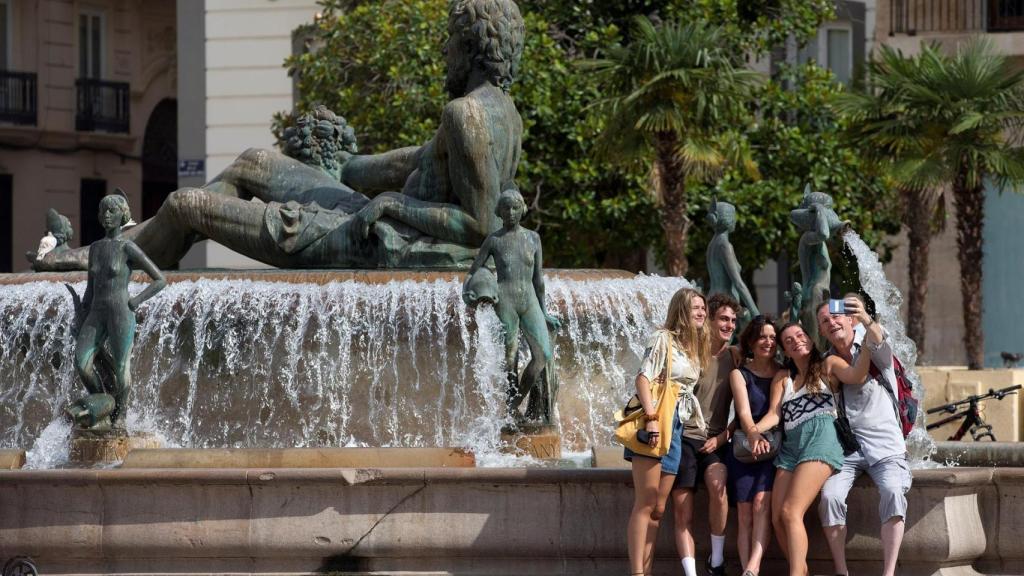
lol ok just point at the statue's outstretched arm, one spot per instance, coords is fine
(138, 258)
(381, 172)
(732, 268)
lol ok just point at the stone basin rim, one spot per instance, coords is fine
(934, 477)
(316, 276)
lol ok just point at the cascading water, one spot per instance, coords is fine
(221, 363)
(887, 299)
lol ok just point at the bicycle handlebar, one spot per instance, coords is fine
(997, 394)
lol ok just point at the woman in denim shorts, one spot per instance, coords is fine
(653, 478)
(802, 400)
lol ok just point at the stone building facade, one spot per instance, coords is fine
(87, 104)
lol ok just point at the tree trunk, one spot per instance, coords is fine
(970, 212)
(919, 207)
(672, 191)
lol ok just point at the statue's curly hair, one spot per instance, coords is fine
(493, 32)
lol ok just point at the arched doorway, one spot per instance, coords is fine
(159, 156)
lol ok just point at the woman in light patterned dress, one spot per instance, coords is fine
(653, 478)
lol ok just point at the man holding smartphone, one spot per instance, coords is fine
(875, 422)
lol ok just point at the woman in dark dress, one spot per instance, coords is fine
(752, 483)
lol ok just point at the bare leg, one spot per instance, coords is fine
(892, 537)
(782, 481)
(648, 508)
(745, 520)
(836, 538)
(718, 502)
(760, 537)
(682, 507)
(806, 482)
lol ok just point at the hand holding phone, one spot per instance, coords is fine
(836, 306)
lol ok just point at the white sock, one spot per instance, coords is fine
(689, 566)
(717, 549)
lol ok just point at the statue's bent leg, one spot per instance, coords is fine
(121, 336)
(535, 329)
(90, 338)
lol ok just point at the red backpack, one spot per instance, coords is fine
(902, 397)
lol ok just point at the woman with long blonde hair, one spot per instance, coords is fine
(684, 337)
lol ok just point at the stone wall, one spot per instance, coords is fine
(469, 521)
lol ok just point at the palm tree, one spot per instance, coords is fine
(677, 97)
(955, 120)
(880, 124)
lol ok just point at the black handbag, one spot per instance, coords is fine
(843, 430)
(741, 446)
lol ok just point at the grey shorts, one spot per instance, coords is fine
(891, 475)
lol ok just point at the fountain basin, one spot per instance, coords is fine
(461, 520)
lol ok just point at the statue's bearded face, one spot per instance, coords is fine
(459, 62)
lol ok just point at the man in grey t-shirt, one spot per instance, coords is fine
(875, 423)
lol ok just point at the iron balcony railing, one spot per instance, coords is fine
(928, 16)
(102, 106)
(18, 97)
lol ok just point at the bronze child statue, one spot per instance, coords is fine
(107, 315)
(519, 303)
(723, 267)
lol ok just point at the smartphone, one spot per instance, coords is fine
(643, 436)
(836, 306)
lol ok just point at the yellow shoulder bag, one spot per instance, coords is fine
(631, 420)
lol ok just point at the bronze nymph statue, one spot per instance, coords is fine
(107, 314)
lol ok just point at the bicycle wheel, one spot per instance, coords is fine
(20, 566)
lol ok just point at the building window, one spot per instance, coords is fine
(5, 35)
(91, 192)
(6, 222)
(838, 55)
(90, 45)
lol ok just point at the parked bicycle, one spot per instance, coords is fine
(971, 415)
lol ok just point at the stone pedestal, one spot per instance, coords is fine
(108, 447)
(540, 442)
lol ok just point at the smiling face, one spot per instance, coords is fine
(764, 346)
(723, 324)
(836, 328)
(698, 311)
(795, 342)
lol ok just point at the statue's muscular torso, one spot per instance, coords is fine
(474, 153)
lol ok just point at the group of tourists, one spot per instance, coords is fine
(804, 425)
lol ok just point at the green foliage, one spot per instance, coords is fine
(941, 117)
(757, 26)
(379, 64)
(799, 140)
